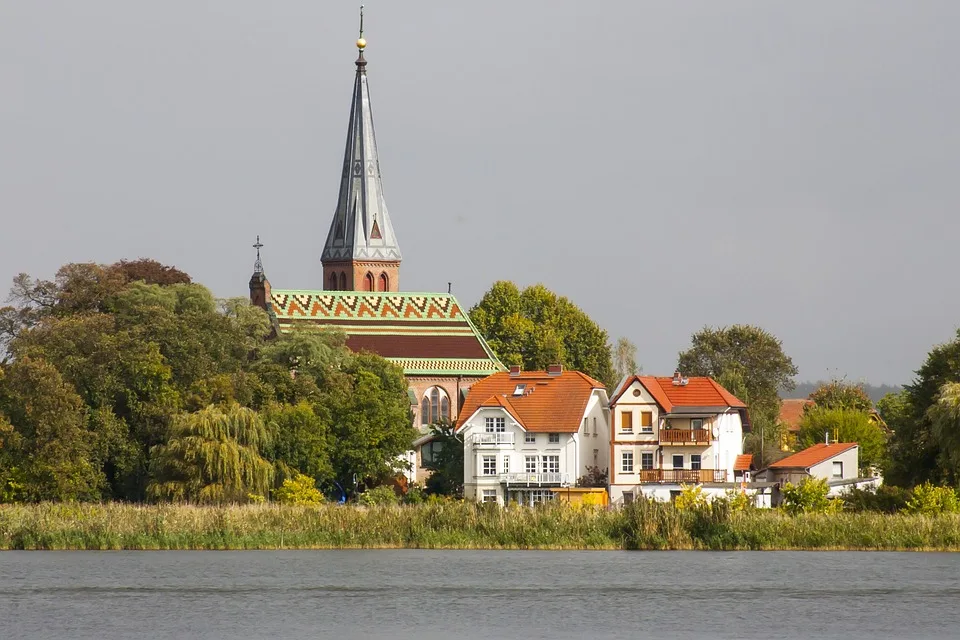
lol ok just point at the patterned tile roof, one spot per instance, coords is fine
(425, 333)
(814, 455)
(546, 403)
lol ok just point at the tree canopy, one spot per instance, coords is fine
(535, 328)
(845, 425)
(838, 394)
(920, 450)
(120, 377)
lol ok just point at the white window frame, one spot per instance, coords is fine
(696, 423)
(626, 428)
(488, 465)
(494, 424)
(673, 460)
(628, 497)
(551, 464)
(553, 438)
(625, 457)
(529, 438)
(837, 464)
(530, 464)
(696, 459)
(489, 495)
(506, 463)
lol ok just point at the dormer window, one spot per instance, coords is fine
(520, 388)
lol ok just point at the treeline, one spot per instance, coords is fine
(874, 391)
(130, 382)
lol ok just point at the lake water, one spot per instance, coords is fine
(469, 595)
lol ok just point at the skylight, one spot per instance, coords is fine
(519, 390)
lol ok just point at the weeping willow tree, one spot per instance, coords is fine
(212, 456)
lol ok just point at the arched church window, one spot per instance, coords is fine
(333, 282)
(343, 281)
(384, 282)
(368, 282)
(435, 406)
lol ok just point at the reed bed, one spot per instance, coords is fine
(457, 525)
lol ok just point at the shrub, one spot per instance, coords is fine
(414, 495)
(739, 500)
(932, 500)
(301, 489)
(691, 497)
(384, 494)
(885, 499)
(809, 496)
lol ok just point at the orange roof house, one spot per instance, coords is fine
(694, 393)
(813, 456)
(539, 401)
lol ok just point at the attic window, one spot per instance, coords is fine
(518, 391)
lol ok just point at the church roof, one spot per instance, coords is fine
(426, 334)
(361, 227)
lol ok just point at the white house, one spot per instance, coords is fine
(668, 432)
(838, 463)
(526, 433)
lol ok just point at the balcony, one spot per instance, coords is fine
(685, 436)
(683, 476)
(536, 479)
(492, 439)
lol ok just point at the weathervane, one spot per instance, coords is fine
(361, 43)
(258, 266)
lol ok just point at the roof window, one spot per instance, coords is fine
(518, 391)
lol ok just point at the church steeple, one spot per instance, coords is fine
(361, 252)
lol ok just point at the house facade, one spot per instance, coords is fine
(668, 432)
(526, 434)
(837, 463)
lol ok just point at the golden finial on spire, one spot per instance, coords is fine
(361, 43)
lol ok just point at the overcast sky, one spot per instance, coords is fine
(666, 165)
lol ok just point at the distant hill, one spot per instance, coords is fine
(875, 392)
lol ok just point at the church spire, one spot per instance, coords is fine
(361, 251)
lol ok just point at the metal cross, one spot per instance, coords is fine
(361, 21)
(258, 266)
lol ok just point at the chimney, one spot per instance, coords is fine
(514, 370)
(826, 437)
(677, 380)
(554, 369)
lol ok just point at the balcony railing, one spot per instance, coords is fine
(685, 476)
(492, 439)
(562, 479)
(685, 436)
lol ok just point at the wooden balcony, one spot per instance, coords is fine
(685, 436)
(683, 476)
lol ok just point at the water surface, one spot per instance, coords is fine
(486, 595)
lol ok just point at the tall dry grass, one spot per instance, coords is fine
(456, 525)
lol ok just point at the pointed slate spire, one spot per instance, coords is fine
(361, 229)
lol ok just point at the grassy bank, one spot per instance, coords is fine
(459, 526)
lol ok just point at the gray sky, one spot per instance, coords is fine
(666, 165)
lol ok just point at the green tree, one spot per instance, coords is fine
(300, 489)
(46, 452)
(746, 360)
(916, 454)
(838, 394)
(371, 424)
(809, 496)
(446, 463)
(212, 456)
(535, 328)
(301, 441)
(846, 425)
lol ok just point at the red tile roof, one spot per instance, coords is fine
(554, 404)
(698, 392)
(744, 462)
(814, 455)
(791, 412)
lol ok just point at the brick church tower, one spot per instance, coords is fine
(361, 252)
